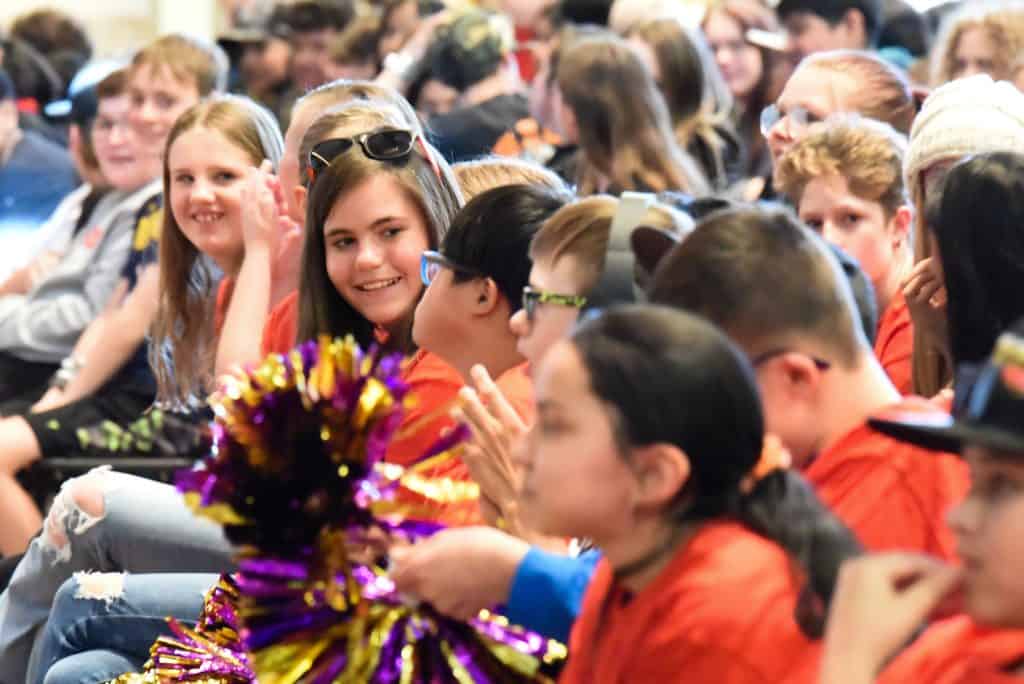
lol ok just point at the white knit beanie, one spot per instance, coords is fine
(968, 116)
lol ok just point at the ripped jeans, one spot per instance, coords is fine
(103, 624)
(106, 522)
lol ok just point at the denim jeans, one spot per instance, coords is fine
(141, 527)
(91, 637)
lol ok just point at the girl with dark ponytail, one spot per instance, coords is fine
(650, 442)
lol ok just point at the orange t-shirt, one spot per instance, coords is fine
(958, 651)
(434, 386)
(894, 343)
(722, 611)
(225, 289)
(893, 495)
(282, 326)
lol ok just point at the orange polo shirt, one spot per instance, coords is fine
(893, 495)
(958, 651)
(894, 343)
(721, 611)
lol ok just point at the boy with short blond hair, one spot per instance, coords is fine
(846, 181)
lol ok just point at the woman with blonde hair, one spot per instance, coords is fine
(685, 71)
(612, 107)
(981, 38)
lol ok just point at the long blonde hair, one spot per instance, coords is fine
(1003, 23)
(183, 336)
(625, 132)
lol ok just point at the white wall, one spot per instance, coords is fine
(121, 25)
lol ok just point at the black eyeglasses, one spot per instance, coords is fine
(383, 144)
(532, 297)
(756, 361)
(432, 262)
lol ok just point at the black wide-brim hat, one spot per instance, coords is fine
(989, 412)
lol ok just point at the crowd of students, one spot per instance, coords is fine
(726, 292)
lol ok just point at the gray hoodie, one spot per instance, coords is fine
(44, 325)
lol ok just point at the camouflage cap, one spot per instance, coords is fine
(470, 48)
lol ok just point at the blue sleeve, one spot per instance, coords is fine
(547, 591)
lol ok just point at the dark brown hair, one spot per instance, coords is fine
(765, 279)
(322, 309)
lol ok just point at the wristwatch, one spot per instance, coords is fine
(69, 368)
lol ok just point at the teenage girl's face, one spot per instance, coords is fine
(975, 54)
(739, 61)
(158, 99)
(989, 526)
(373, 240)
(207, 172)
(551, 322)
(813, 94)
(575, 482)
(858, 226)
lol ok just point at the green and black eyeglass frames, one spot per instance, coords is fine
(532, 297)
(432, 262)
(383, 144)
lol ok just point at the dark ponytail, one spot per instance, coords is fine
(673, 378)
(783, 507)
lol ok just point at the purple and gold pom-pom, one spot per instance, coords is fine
(294, 440)
(297, 477)
(212, 653)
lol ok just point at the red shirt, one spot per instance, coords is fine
(721, 612)
(894, 344)
(282, 326)
(893, 495)
(957, 651)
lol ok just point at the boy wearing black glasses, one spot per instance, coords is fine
(773, 286)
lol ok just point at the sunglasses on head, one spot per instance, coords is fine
(383, 144)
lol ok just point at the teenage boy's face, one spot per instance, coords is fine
(123, 160)
(989, 526)
(158, 99)
(551, 322)
(858, 226)
(809, 33)
(311, 58)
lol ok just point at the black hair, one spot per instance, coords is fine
(316, 15)
(7, 91)
(593, 12)
(674, 378)
(903, 26)
(833, 11)
(492, 235)
(978, 221)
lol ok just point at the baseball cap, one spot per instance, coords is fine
(80, 104)
(988, 410)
